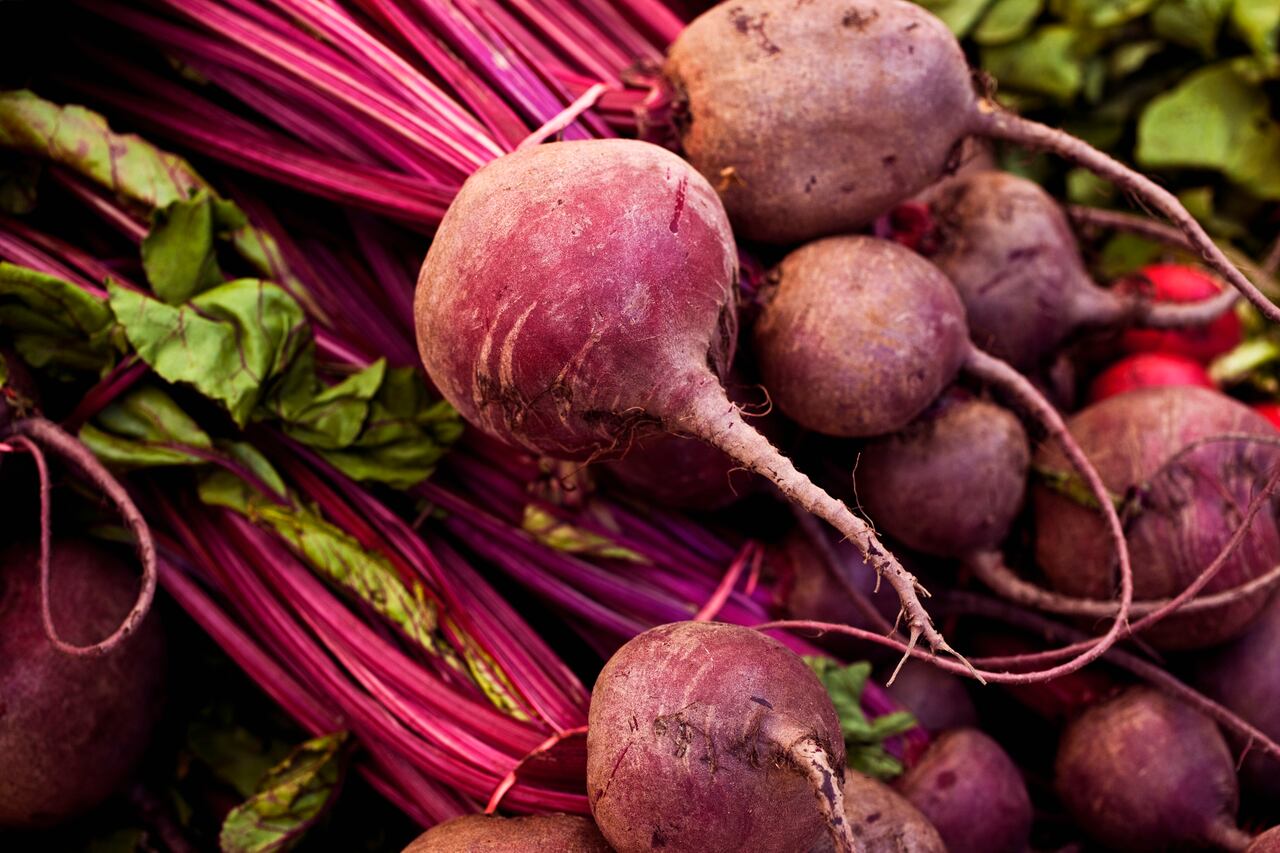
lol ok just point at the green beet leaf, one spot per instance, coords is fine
(864, 738)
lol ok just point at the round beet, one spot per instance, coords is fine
(71, 727)
(815, 118)
(710, 737)
(491, 834)
(952, 482)
(1183, 510)
(883, 821)
(972, 792)
(1148, 370)
(1245, 677)
(859, 336)
(1175, 283)
(1267, 842)
(580, 295)
(1145, 772)
(810, 588)
(938, 700)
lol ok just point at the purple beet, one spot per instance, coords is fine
(1267, 842)
(1184, 511)
(72, 728)
(710, 737)
(810, 588)
(950, 483)
(938, 700)
(1009, 250)
(561, 833)
(1144, 772)
(972, 792)
(814, 118)
(883, 820)
(1245, 676)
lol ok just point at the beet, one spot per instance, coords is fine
(883, 821)
(1267, 842)
(1181, 283)
(711, 737)
(1184, 512)
(1145, 772)
(811, 590)
(1148, 370)
(1245, 677)
(938, 700)
(900, 313)
(972, 792)
(1009, 250)
(815, 118)
(579, 295)
(491, 834)
(72, 728)
(952, 482)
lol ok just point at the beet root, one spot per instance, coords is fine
(815, 118)
(1145, 772)
(952, 482)
(1245, 677)
(491, 834)
(1267, 842)
(71, 728)
(711, 737)
(972, 792)
(579, 295)
(938, 700)
(859, 336)
(1187, 496)
(883, 821)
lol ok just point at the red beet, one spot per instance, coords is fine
(1184, 510)
(1145, 772)
(490, 834)
(939, 701)
(949, 484)
(1270, 411)
(71, 728)
(1148, 370)
(815, 118)
(1179, 283)
(579, 295)
(972, 792)
(883, 820)
(1267, 842)
(710, 737)
(1245, 677)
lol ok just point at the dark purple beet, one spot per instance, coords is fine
(1187, 510)
(951, 482)
(1267, 842)
(883, 821)
(685, 473)
(491, 834)
(859, 336)
(710, 737)
(1144, 772)
(1245, 676)
(972, 792)
(809, 587)
(938, 700)
(71, 728)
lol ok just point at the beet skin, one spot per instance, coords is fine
(491, 834)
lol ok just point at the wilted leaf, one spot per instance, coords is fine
(234, 755)
(1130, 56)
(19, 177)
(562, 536)
(179, 253)
(1214, 120)
(1101, 13)
(864, 738)
(327, 417)
(1193, 23)
(1007, 20)
(290, 798)
(1258, 21)
(958, 15)
(55, 323)
(228, 342)
(1046, 62)
(145, 428)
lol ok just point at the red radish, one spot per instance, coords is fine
(1144, 772)
(1179, 283)
(72, 728)
(474, 833)
(1009, 249)
(710, 737)
(1270, 411)
(815, 118)
(972, 792)
(1148, 370)
(579, 295)
(1177, 456)
(883, 820)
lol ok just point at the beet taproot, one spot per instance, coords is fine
(1181, 457)
(72, 728)
(492, 834)
(579, 295)
(711, 737)
(1144, 772)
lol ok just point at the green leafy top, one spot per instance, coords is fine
(864, 739)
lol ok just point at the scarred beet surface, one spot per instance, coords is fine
(883, 820)
(71, 728)
(692, 743)
(491, 834)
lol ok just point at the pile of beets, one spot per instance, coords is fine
(981, 426)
